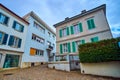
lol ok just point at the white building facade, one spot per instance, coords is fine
(13, 30)
(40, 43)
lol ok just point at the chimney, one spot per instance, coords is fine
(83, 11)
(66, 18)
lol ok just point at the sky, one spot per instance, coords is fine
(54, 11)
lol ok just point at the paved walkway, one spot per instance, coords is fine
(43, 73)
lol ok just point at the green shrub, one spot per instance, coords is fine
(102, 51)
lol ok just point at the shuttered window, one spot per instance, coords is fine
(94, 39)
(91, 24)
(32, 51)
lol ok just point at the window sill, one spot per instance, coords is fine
(17, 30)
(4, 24)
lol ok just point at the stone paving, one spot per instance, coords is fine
(44, 73)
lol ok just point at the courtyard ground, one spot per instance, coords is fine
(44, 73)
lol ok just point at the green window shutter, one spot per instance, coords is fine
(67, 30)
(19, 43)
(88, 23)
(60, 33)
(11, 40)
(80, 27)
(14, 24)
(92, 23)
(5, 39)
(95, 39)
(69, 48)
(61, 50)
(73, 47)
(83, 41)
(72, 31)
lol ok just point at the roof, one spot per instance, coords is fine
(84, 13)
(36, 17)
(14, 14)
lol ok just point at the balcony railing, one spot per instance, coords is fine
(50, 47)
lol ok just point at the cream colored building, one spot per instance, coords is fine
(88, 26)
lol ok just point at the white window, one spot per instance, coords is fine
(65, 47)
(64, 32)
(39, 52)
(36, 25)
(38, 39)
(76, 28)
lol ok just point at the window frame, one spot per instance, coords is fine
(2, 14)
(38, 39)
(65, 47)
(15, 24)
(37, 26)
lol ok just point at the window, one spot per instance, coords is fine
(65, 48)
(49, 34)
(3, 38)
(36, 25)
(90, 23)
(94, 39)
(17, 26)
(64, 32)
(76, 28)
(75, 45)
(11, 61)
(39, 52)
(3, 19)
(38, 39)
(34, 52)
(14, 42)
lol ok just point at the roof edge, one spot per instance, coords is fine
(103, 6)
(39, 20)
(14, 14)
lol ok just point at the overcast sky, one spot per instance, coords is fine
(53, 11)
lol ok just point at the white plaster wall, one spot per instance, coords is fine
(60, 66)
(10, 31)
(104, 69)
(34, 44)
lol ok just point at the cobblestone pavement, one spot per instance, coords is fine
(44, 73)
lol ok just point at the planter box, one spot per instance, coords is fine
(111, 69)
